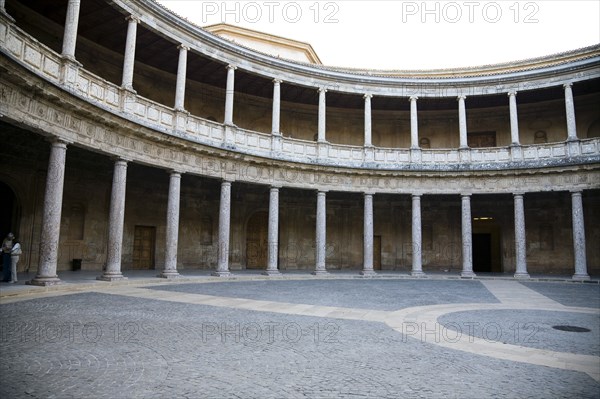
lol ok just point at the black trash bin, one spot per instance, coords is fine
(76, 264)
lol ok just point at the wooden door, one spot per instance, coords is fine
(376, 252)
(143, 247)
(256, 241)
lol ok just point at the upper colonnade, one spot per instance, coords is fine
(226, 138)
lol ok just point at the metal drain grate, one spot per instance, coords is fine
(571, 328)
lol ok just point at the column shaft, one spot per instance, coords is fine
(322, 114)
(229, 92)
(462, 121)
(276, 106)
(570, 110)
(579, 238)
(514, 119)
(321, 235)
(467, 238)
(129, 59)
(417, 266)
(224, 225)
(368, 236)
(368, 122)
(46, 273)
(414, 123)
(273, 233)
(181, 77)
(520, 242)
(115, 223)
(172, 238)
(70, 32)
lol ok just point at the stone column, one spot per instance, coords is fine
(570, 108)
(368, 123)
(276, 107)
(417, 266)
(462, 121)
(115, 223)
(70, 32)
(467, 237)
(520, 242)
(414, 123)
(172, 238)
(321, 236)
(224, 224)
(129, 59)
(181, 77)
(368, 237)
(322, 108)
(273, 233)
(229, 91)
(579, 238)
(46, 273)
(514, 119)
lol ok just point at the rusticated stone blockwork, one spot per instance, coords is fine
(184, 151)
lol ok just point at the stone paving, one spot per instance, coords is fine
(316, 338)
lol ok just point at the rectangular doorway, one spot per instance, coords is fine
(144, 238)
(482, 252)
(376, 252)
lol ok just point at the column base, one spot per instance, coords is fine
(468, 274)
(44, 281)
(521, 275)
(367, 273)
(169, 274)
(581, 277)
(319, 272)
(111, 277)
(418, 274)
(271, 273)
(221, 274)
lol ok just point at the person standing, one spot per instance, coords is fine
(15, 253)
(7, 245)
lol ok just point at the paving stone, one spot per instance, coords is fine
(103, 345)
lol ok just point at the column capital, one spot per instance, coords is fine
(569, 84)
(322, 89)
(183, 47)
(232, 67)
(371, 193)
(416, 196)
(277, 81)
(465, 195)
(518, 194)
(227, 181)
(275, 187)
(322, 192)
(172, 172)
(413, 98)
(118, 159)
(368, 95)
(576, 192)
(58, 141)
(512, 93)
(132, 18)
(461, 97)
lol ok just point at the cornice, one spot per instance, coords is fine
(584, 61)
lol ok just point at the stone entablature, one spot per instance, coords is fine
(77, 122)
(121, 103)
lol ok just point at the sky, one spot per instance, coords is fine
(412, 34)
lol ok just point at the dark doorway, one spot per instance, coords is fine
(482, 252)
(7, 202)
(256, 241)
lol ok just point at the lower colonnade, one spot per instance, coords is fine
(47, 269)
